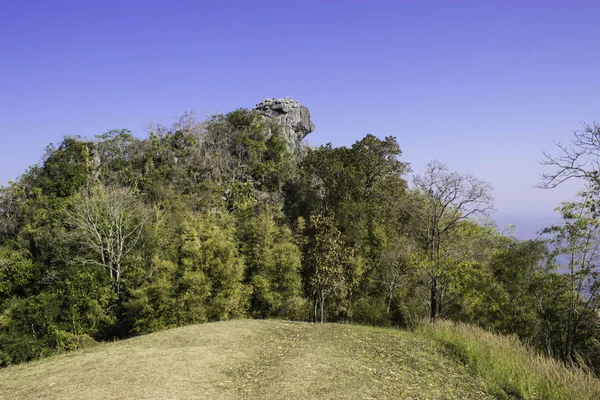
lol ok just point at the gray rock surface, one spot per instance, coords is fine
(293, 117)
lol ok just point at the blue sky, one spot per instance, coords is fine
(481, 85)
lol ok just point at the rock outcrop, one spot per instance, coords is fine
(293, 117)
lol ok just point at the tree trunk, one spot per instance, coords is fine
(322, 301)
(573, 342)
(441, 302)
(315, 320)
(434, 304)
(390, 293)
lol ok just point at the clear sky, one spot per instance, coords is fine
(481, 85)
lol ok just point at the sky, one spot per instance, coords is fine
(483, 86)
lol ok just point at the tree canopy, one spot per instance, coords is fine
(210, 220)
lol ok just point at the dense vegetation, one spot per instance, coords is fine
(208, 221)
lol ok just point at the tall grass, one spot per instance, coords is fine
(510, 369)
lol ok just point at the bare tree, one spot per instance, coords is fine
(449, 198)
(579, 159)
(577, 237)
(107, 224)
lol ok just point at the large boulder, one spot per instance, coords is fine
(291, 116)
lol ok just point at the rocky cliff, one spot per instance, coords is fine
(293, 117)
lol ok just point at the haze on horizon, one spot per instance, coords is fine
(482, 86)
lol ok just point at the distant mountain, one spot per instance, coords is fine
(526, 227)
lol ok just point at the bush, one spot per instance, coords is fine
(296, 308)
(371, 311)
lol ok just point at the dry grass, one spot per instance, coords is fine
(510, 369)
(283, 360)
(251, 360)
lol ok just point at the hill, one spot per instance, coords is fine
(233, 217)
(249, 359)
(252, 360)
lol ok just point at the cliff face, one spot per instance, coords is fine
(293, 117)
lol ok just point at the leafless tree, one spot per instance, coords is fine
(107, 224)
(449, 198)
(578, 159)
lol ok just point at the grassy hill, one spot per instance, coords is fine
(249, 359)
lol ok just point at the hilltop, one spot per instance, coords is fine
(235, 217)
(256, 359)
(249, 359)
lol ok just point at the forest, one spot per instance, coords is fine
(117, 236)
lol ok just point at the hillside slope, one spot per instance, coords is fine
(250, 360)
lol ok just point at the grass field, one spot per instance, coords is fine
(249, 359)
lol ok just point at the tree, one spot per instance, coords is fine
(175, 292)
(242, 146)
(66, 168)
(323, 182)
(376, 183)
(578, 238)
(273, 265)
(580, 159)
(218, 256)
(107, 223)
(376, 163)
(359, 187)
(344, 180)
(17, 273)
(516, 296)
(396, 259)
(324, 263)
(113, 156)
(12, 200)
(449, 197)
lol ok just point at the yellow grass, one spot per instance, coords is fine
(509, 368)
(250, 360)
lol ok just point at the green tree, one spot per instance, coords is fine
(224, 267)
(325, 262)
(443, 199)
(273, 267)
(577, 238)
